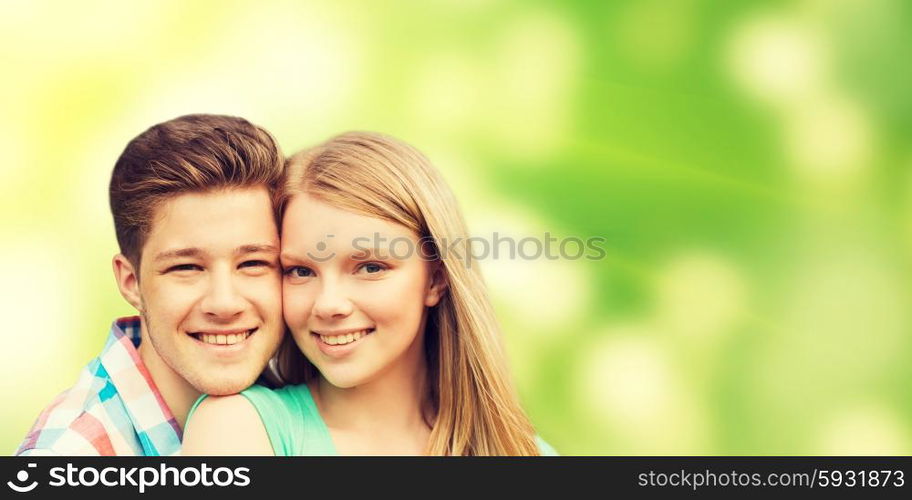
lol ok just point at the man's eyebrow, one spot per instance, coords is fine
(246, 249)
(180, 252)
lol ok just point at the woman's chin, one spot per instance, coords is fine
(344, 380)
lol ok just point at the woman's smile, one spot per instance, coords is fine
(339, 345)
(342, 337)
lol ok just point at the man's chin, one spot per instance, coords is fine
(225, 388)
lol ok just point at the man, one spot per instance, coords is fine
(193, 203)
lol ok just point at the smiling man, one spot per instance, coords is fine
(193, 201)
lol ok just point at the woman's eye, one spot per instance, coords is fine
(372, 268)
(298, 272)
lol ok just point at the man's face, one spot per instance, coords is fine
(210, 287)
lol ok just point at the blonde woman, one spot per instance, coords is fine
(394, 348)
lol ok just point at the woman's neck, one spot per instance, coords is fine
(387, 416)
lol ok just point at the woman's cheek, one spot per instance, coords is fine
(295, 307)
(401, 302)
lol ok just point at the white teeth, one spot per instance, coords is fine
(229, 339)
(343, 339)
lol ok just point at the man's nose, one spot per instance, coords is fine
(222, 299)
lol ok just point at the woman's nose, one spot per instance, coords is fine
(332, 303)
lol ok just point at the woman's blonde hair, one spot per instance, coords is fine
(477, 410)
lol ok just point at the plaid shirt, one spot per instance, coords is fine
(114, 408)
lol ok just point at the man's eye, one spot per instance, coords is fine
(184, 267)
(372, 268)
(298, 272)
(255, 263)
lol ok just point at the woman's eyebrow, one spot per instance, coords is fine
(289, 257)
(356, 251)
(361, 254)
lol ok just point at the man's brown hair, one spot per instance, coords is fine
(189, 154)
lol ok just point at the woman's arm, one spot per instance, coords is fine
(226, 425)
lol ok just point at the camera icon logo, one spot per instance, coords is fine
(21, 477)
(321, 247)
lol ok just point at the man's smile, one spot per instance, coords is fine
(223, 337)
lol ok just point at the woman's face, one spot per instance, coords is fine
(355, 289)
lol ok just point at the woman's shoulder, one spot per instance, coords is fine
(289, 398)
(256, 421)
(291, 418)
(210, 418)
(272, 394)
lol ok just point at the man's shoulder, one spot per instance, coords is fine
(89, 418)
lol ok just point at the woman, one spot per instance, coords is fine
(401, 351)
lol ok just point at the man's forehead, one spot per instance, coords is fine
(207, 200)
(218, 222)
(174, 253)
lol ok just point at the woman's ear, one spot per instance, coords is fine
(436, 286)
(127, 280)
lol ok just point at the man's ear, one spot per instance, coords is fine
(127, 280)
(437, 286)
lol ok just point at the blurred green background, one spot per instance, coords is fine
(748, 163)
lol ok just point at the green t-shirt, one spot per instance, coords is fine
(294, 425)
